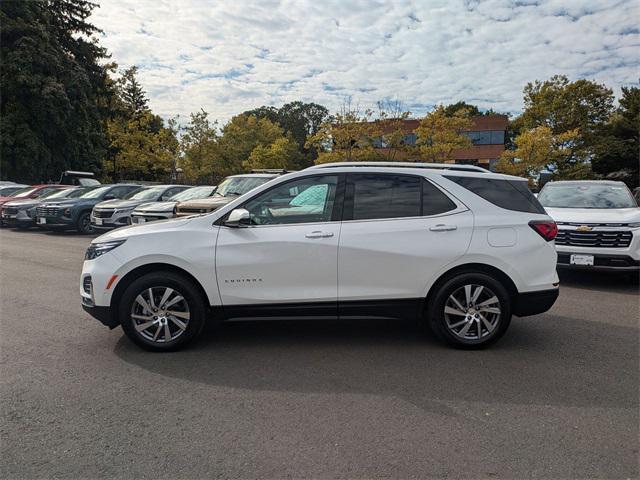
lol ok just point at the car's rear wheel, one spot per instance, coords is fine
(83, 225)
(470, 310)
(162, 311)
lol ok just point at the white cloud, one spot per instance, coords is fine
(229, 56)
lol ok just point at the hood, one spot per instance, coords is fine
(156, 207)
(145, 228)
(119, 204)
(209, 202)
(595, 215)
(25, 203)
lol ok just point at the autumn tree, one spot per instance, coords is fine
(539, 149)
(199, 145)
(348, 136)
(439, 134)
(392, 117)
(282, 153)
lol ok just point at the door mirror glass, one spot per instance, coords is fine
(238, 218)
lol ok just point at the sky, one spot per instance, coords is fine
(227, 56)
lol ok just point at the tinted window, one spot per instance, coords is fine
(586, 195)
(383, 196)
(508, 194)
(434, 201)
(306, 200)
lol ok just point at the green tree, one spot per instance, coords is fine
(564, 106)
(199, 144)
(540, 149)
(282, 153)
(53, 82)
(619, 149)
(132, 95)
(439, 134)
(299, 120)
(348, 136)
(239, 138)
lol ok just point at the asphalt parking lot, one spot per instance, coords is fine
(557, 397)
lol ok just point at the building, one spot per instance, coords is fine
(488, 137)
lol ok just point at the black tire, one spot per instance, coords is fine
(441, 323)
(157, 281)
(83, 225)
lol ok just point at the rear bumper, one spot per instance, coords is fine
(601, 262)
(533, 303)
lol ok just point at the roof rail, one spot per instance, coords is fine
(438, 166)
(271, 170)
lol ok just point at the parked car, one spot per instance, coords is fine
(22, 213)
(74, 213)
(229, 189)
(6, 190)
(117, 213)
(598, 222)
(27, 193)
(462, 251)
(149, 212)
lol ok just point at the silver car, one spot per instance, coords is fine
(116, 213)
(149, 212)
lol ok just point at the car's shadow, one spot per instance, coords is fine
(602, 281)
(541, 361)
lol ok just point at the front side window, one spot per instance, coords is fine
(306, 200)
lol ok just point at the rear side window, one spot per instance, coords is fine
(509, 194)
(371, 196)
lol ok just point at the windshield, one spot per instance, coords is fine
(239, 185)
(9, 190)
(97, 193)
(25, 192)
(58, 193)
(586, 196)
(147, 194)
(191, 193)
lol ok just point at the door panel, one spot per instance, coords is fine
(278, 264)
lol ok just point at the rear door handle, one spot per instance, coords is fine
(441, 227)
(319, 234)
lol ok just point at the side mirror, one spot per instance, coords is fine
(109, 196)
(238, 218)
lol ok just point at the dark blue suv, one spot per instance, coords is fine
(75, 213)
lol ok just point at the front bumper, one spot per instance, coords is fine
(533, 303)
(102, 314)
(20, 219)
(54, 222)
(118, 219)
(601, 262)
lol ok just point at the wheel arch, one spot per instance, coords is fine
(150, 268)
(495, 272)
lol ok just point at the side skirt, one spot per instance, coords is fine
(409, 309)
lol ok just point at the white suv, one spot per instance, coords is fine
(460, 248)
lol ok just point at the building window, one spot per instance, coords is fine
(489, 137)
(410, 139)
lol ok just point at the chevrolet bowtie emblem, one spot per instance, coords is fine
(584, 228)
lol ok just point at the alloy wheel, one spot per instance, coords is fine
(160, 314)
(472, 312)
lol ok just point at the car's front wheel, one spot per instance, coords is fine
(162, 311)
(83, 225)
(470, 310)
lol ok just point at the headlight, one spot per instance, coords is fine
(634, 225)
(125, 210)
(97, 249)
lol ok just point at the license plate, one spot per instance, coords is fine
(581, 260)
(98, 221)
(42, 221)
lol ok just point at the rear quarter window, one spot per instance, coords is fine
(508, 194)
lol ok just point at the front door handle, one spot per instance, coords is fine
(441, 227)
(319, 234)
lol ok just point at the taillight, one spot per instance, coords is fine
(546, 229)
